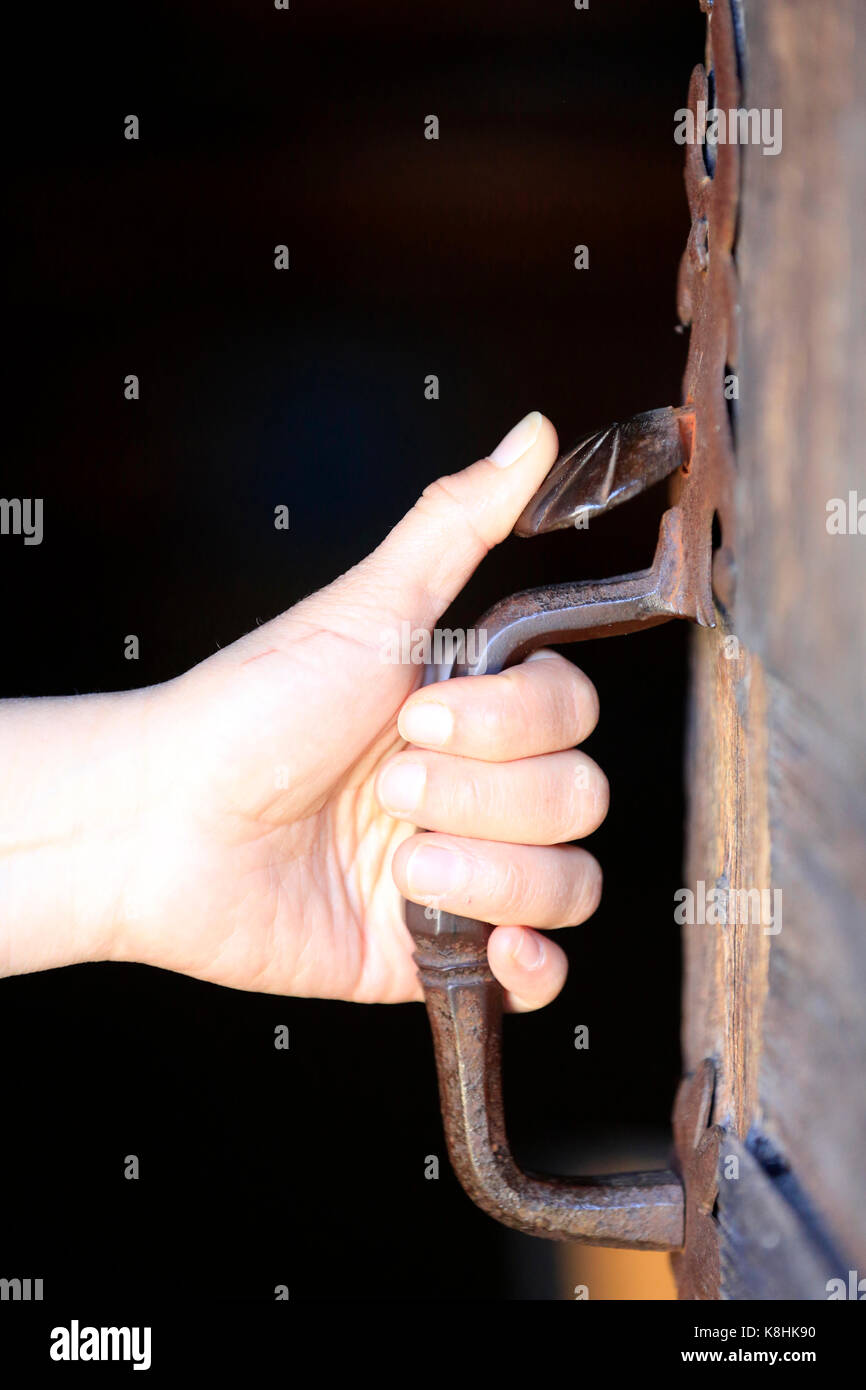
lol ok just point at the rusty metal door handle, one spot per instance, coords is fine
(464, 1001)
(694, 448)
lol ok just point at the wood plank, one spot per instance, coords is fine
(776, 763)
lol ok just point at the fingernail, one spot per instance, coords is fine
(517, 441)
(401, 786)
(433, 871)
(529, 951)
(426, 722)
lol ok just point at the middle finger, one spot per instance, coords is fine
(547, 800)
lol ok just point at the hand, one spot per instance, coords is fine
(253, 822)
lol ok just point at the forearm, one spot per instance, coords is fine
(73, 773)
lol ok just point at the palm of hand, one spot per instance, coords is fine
(285, 884)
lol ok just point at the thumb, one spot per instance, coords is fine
(422, 564)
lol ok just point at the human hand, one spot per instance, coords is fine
(253, 821)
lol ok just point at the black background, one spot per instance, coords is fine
(408, 257)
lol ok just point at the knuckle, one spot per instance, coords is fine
(494, 717)
(595, 799)
(467, 796)
(514, 890)
(585, 704)
(519, 697)
(569, 825)
(578, 798)
(590, 794)
(585, 888)
(442, 498)
(558, 692)
(565, 711)
(437, 494)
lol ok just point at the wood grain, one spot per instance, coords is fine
(776, 764)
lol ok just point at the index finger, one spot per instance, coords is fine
(544, 705)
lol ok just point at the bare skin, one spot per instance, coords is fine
(253, 822)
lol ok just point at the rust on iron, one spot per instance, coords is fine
(692, 445)
(708, 303)
(698, 1144)
(464, 1004)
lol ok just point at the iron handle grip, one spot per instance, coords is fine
(464, 1002)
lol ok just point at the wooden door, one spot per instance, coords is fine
(776, 767)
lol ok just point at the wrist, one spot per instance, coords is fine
(75, 777)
